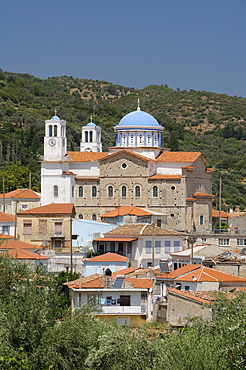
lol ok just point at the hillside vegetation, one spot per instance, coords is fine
(194, 120)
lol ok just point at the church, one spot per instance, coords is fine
(136, 171)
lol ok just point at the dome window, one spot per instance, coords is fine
(124, 165)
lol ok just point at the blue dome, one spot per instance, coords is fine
(56, 118)
(91, 124)
(138, 118)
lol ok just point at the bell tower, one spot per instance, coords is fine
(55, 141)
(91, 138)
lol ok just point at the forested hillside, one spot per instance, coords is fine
(194, 120)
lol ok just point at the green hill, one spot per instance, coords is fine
(194, 120)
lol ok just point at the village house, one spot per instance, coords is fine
(109, 261)
(135, 241)
(7, 224)
(19, 200)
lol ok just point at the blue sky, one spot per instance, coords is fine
(190, 44)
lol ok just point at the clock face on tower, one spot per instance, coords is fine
(52, 142)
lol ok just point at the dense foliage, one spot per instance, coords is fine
(38, 332)
(194, 120)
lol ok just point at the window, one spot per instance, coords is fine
(58, 227)
(112, 247)
(55, 130)
(137, 191)
(176, 245)
(91, 136)
(204, 240)
(5, 230)
(158, 223)
(94, 191)
(110, 191)
(94, 216)
(81, 216)
(56, 191)
(155, 191)
(27, 227)
(42, 225)
(241, 242)
(124, 165)
(86, 136)
(125, 300)
(92, 298)
(80, 192)
(123, 191)
(157, 247)
(167, 246)
(24, 207)
(224, 242)
(187, 287)
(50, 130)
(72, 191)
(201, 220)
(148, 245)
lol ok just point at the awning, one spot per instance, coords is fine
(117, 239)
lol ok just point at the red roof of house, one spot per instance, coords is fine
(189, 157)
(144, 283)
(131, 153)
(189, 295)
(22, 254)
(119, 238)
(21, 194)
(126, 210)
(218, 213)
(82, 280)
(126, 271)
(17, 244)
(211, 275)
(85, 156)
(179, 272)
(165, 177)
(53, 208)
(6, 217)
(5, 236)
(203, 195)
(134, 230)
(108, 257)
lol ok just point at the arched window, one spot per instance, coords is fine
(81, 216)
(55, 191)
(155, 191)
(80, 192)
(72, 191)
(86, 136)
(94, 216)
(137, 191)
(55, 130)
(50, 130)
(94, 191)
(123, 191)
(91, 136)
(110, 191)
(201, 220)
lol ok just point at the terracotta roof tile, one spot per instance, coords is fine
(21, 194)
(18, 244)
(210, 170)
(165, 177)
(85, 156)
(237, 214)
(22, 254)
(82, 280)
(144, 283)
(189, 157)
(217, 214)
(53, 208)
(6, 217)
(5, 236)
(126, 271)
(108, 257)
(179, 272)
(126, 210)
(189, 168)
(131, 153)
(140, 229)
(203, 195)
(211, 275)
(189, 295)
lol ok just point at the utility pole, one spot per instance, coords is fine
(153, 244)
(30, 180)
(71, 246)
(3, 196)
(16, 219)
(220, 203)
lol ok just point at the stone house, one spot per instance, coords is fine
(7, 224)
(19, 200)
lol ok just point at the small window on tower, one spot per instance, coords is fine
(56, 191)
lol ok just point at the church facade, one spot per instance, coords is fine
(137, 171)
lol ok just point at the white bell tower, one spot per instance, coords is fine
(91, 138)
(55, 141)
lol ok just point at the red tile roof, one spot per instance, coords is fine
(144, 283)
(18, 244)
(140, 229)
(165, 177)
(217, 214)
(189, 157)
(85, 156)
(53, 208)
(82, 280)
(129, 152)
(126, 210)
(189, 168)
(5, 236)
(6, 217)
(203, 195)
(179, 272)
(210, 169)
(114, 239)
(21, 194)
(191, 296)
(108, 257)
(22, 254)
(211, 275)
(126, 271)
